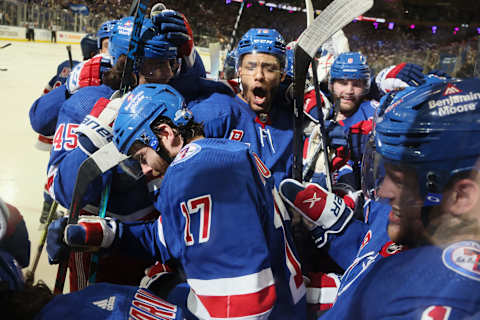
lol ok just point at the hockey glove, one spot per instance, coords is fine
(88, 73)
(57, 250)
(321, 292)
(44, 143)
(91, 232)
(160, 279)
(174, 27)
(95, 131)
(399, 77)
(325, 212)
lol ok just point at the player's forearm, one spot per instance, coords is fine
(44, 111)
(344, 246)
(140, 239)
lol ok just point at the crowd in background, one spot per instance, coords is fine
(214, 23)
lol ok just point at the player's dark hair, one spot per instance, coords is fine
(189, 131)
(24, 304)
(113, 76)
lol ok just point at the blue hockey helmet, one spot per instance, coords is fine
(434, 129)
(152, 45)
(88, 44)
(143, 106)
(350, 65)
(105, 31)
(263, 41)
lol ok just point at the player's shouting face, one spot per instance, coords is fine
(260, 75)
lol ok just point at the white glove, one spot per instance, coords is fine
(95, 131)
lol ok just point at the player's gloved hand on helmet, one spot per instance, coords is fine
(95, 131)
(14, 234)
(321, 292)
(88, 73)
(399, 77)
(160, 279)
(324, 212)
(174, 27)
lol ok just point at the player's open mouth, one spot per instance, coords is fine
(260, 95)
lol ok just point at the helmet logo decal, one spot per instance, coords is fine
(134, 100)
(145, 138)
(451, 89)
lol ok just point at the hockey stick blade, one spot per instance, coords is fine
(99, 162)
(335, 16)
(6, 45)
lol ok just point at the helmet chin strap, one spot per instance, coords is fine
(425, 216)
(163, 153)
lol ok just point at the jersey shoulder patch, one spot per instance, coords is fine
(463, 258)
(186, 153)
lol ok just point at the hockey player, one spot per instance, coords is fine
(256, 115)
(430, 178)
(254, 274)
(21, 299)
(84, 125)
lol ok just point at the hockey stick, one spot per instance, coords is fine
(235, 27)
(51, 215)
(101, 213)
(337, 15)
(139, 7)
(6, 45)
(99, 162)
(70, 60)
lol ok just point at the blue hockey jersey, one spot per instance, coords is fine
(270, 137)
(230, 232)
(129, 199)
(356, 249)
(427, 282)
(109, 301)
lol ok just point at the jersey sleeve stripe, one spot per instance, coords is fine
(161, 236)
